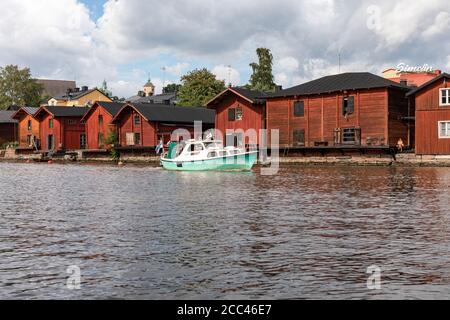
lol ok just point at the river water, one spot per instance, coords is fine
(144, 233)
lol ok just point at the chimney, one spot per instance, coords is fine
(404, 82)
(84, 88)
(278, 88)
(141, 94)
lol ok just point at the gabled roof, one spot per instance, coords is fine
(340, 82)
(111, 107)
(62, 111)
(25, 110)
(171, 114)
(249, 95)
(6, 116)
(77, 95)
(438, 78)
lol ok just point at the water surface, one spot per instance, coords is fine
(141, 232)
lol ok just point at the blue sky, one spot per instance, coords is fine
(95, 7)
(133, 39)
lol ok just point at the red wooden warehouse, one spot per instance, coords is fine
(350, 110)
(28, 128)
(432, 103)
(237, 110)
(61, 128)
(144, 125)
(8, 127)
(98, 124)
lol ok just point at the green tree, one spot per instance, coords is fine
(198, 87)
(18, 87)
(171, 88)
(262, 77)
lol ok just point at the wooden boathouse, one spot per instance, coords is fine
(98, 124)
(237, 111)
(61, 128)
(144, 125)
(432, 104)
(355, 111)
(29, 128)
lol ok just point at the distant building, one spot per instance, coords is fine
(411, 79)
(165, 98)
(147, 95)
(79, 98)
(149, 88)
(56, 88)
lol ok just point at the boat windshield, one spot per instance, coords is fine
(213, 145)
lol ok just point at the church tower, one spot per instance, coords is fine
(149, 89)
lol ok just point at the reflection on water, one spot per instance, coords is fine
(141, 232)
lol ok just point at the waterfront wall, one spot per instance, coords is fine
(148, 157)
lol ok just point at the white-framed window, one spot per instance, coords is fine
(444, 97)
(444, 129)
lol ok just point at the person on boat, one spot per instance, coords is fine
(160, 147)
(400, 145)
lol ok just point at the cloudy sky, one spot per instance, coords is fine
(126, 41)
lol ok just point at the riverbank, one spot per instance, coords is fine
(382, 160)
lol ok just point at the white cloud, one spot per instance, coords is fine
(58, 38)
(441, 25)
(227, 74)
(177, 69)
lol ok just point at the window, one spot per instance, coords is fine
(29, 143)
(30, 125)
(239, 114)
(444, 130)
(71, 122)
(444, 97)
(299, 109)
(82, 141)
(50, 123)
(212, 154)
(137, 119)
(196, 147)
(231, 114)
(101, 139)
(348, 106)
(130, 139)
(351, 136)
(137, 139)
(299, 137)
(100, 120)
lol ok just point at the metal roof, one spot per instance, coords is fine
(173, 114)
(63, 111)
(340, 82)
(6, 116)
